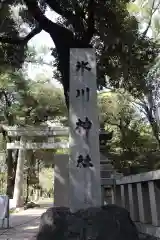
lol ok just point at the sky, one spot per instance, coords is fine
(43, 39)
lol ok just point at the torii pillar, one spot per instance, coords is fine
(84, 161)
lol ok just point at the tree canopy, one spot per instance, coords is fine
(123, 53)
(25, 102)
(133, 144)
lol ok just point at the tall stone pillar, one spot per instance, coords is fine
(19, 180)
(84, 162)
(61, 180)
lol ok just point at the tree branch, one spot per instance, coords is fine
(8, 116)
(34, 32)
(34, 9)
(8, 103)
(36, 62)
(74, 19)
(55, 6)
(90, 22)
(54, 29)
(5, 39)
(150, 20)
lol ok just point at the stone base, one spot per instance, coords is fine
(148, 229)
(109, 222)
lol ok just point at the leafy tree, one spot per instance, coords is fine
(147, 12)
(148, 101)
(46, 180)
(117, 111)
(123, 54)
(11, 86)
(132, 136)
(25, 102)
(42, 102)
(10, 52)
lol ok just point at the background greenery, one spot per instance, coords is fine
(125, 35)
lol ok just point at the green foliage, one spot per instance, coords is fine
(42, 102)
(115, 106)
(11, 56)
(132, 135)
(123, 54)
(46, 179)
(147, 12)
(28, 102)
(25, 102)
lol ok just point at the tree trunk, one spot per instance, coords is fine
(27, 190)
(123, 136)
(10, 179)
(11, 171)
(63, 46)
(11, 165)
(153, 124)
(155, 132)
(9, 160)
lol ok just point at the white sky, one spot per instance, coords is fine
(43, 39)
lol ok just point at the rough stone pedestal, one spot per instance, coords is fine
(104, 223)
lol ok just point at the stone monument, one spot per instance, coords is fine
(84, 162)
(85, 218)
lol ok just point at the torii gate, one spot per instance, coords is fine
(61, 185)
(26, 143)
(84, 161)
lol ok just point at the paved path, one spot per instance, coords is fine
(24, 225)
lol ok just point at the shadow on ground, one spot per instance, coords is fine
(24, 225)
